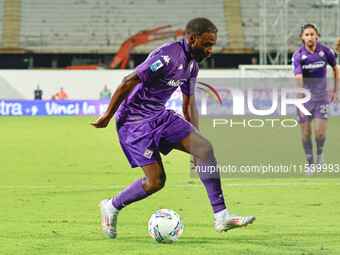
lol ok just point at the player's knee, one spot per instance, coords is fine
(155, 184)
(206, 150)
(209, 146)
(306, 135)
(319, 134)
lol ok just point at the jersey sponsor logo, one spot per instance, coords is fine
(321, 54)
(177, 83)
(166, 59)
(155, 66)
(318, 64)
(303, 57)
(148, 153)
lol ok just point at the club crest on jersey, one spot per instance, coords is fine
(321, 53)
(155, 66)
(166, 59)
(148, 153)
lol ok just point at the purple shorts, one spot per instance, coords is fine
(142, 142)
(319, 110)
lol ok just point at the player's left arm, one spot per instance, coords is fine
(191, 114)
(189, 103)
(335, 96)
(190, 110)
(333, 63)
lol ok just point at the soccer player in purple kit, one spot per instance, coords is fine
(145, 128)
(310, 67)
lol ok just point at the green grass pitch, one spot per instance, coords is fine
(56, 170)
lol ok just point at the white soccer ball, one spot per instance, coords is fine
(165, 226)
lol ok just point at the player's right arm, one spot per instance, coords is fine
(297, 69)
(299, 84)
(122, 91)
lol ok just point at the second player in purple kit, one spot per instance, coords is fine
(146, 128)
(310, 68)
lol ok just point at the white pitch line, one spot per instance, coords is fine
(170, 186)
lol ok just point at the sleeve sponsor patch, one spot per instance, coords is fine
(155, 66)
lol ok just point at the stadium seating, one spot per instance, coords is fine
(251, 22)
(102, 25)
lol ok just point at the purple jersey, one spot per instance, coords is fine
(166, 68)
(313, 67)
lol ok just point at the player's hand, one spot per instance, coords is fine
(335, 98)
(101, 122)
(193, 163)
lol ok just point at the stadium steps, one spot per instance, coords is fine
(234, 24)
(11, 24)
(77, 25)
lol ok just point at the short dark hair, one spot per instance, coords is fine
(198, 26)
(309, 25)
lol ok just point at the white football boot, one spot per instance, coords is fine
(109, 220)
(310, 171)
(320, 159)
(233, 221)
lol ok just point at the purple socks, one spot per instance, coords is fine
(210, 179)
(319, 145)
(308, 147)
(129, 195)
(212, 183)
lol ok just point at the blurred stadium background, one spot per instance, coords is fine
(102, 34)
(56, 34)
